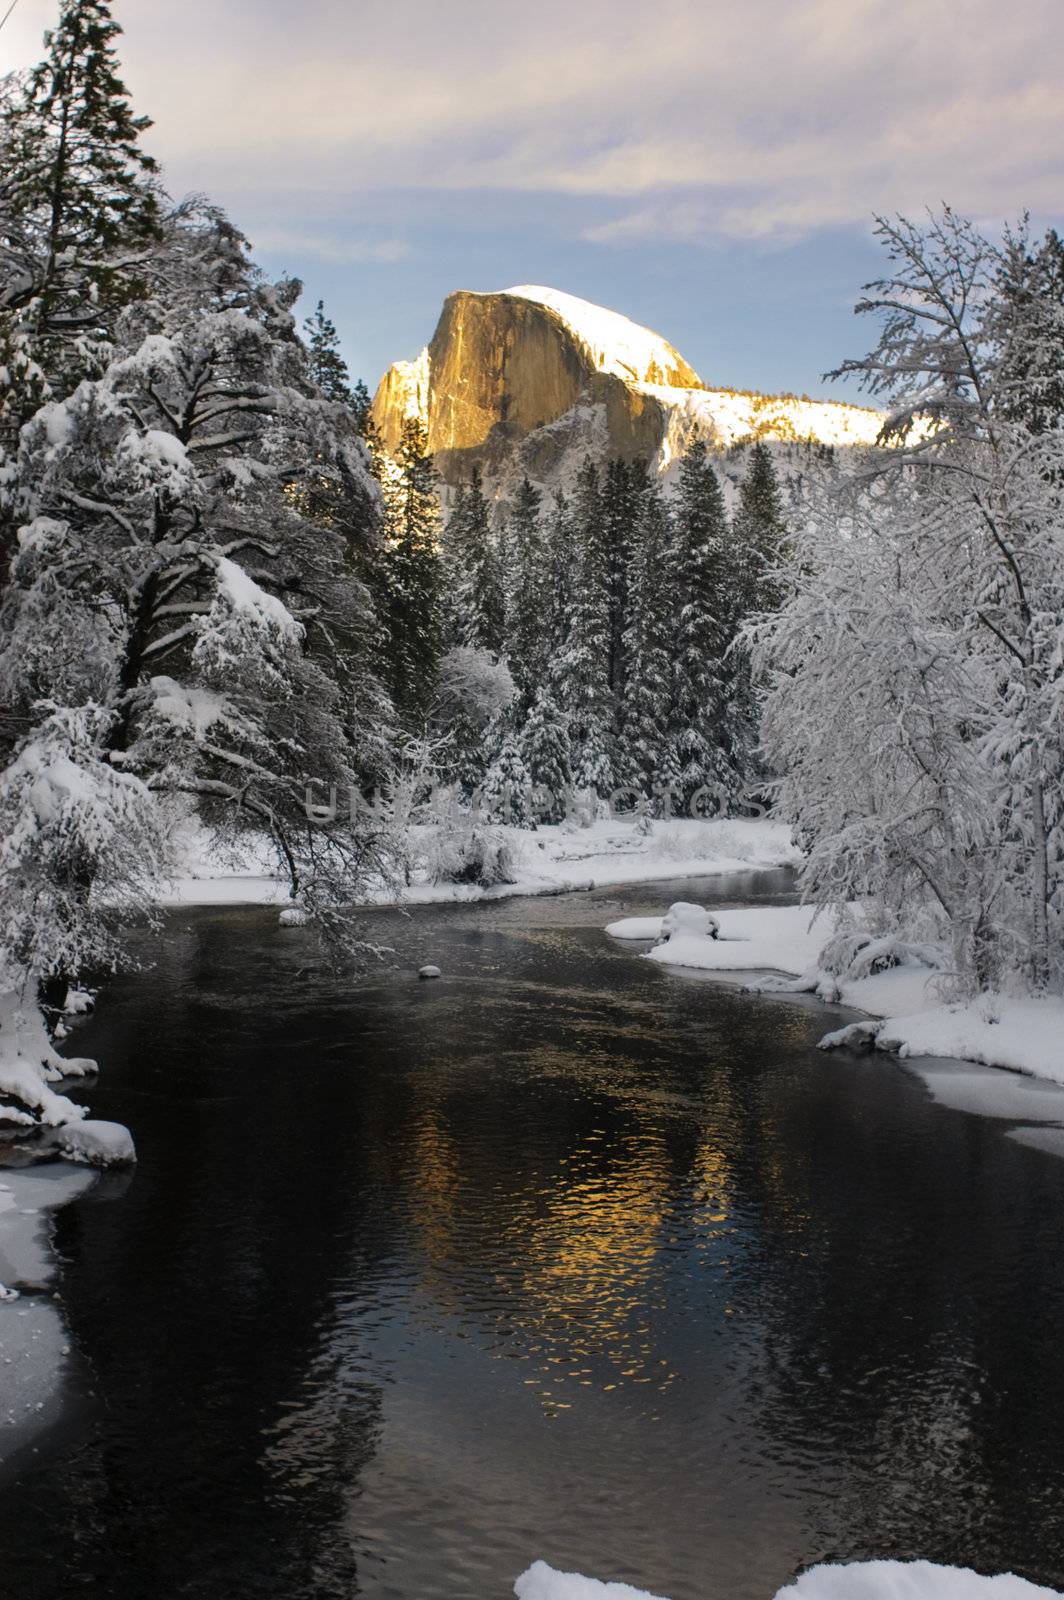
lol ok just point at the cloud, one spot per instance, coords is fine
(690, 121)
(325, 248)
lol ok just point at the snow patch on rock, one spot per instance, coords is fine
(93, 1143)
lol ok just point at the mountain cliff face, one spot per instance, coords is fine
(530, 380)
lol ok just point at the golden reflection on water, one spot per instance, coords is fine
(571, 1261)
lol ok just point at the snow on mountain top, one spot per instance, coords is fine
(724, 416)
(616, 345)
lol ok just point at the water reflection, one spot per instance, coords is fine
(562, 1256)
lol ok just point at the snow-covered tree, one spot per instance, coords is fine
(474, 691)
(934, 791)
(620, 511)
(526, 583)
(81, 202)
(475, 597)
(169, 597)
(700, 595)
(505, 794)
(546, 756)
(69, 817)
(559, 588)
(750, 587)
(648, 635)
(581, 669)
(414, 599)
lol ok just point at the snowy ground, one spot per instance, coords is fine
(856, 1580)
(1023, 1034)
(551, 860)
(33, 1338)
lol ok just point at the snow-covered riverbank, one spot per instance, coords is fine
(551, 860)
(33, 1336)
(910, 1016)
(855, 1580)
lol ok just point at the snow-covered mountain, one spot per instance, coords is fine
(529, 380)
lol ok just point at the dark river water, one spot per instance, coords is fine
(562, 1256)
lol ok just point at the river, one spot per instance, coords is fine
(561, 1256)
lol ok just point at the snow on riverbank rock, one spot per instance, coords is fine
(429, 972)
(541, 1582)
(908, 1580)
(294, 917)
(92, 1144)
(854, 1580)
(1024, 1034)
(28, 1064)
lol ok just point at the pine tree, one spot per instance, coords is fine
(362, 405)
(560, 549)
(546, 754)
(414, 579)
(757, 537)
(699, 568)
(752, 587)
(475, 577)
(526, 580)
(505, 791)
(620, 497)
(582, 668)
(84, 193)
(647, 693)
(327, 366)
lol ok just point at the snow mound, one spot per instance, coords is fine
(93, 1144)
(636, 928)
(429, 972)
(683, 917)
(294, 917)
(616, 345)
(541, 1582)
(908, 1580)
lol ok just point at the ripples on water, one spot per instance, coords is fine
(561, 1256)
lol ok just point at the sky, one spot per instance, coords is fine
(709, 169)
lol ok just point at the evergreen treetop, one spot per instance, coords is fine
(327, 366)
(77, 176)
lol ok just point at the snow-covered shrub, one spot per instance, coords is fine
(80, 852)
(850, 953)
(585, 808)
(475, 681)
(469, 850)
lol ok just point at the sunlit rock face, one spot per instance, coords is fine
(529, 381)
